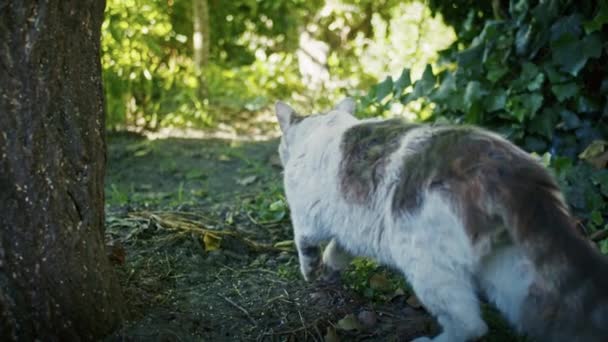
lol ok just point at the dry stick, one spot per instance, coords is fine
(242, 309)
(183, 225)
(599, 235)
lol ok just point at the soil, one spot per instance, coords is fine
(200, 238)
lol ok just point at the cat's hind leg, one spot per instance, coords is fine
(452, 300)
(438, 260)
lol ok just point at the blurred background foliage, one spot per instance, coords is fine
(532, 70)
(309, 52)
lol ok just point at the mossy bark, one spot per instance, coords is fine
(55, 280)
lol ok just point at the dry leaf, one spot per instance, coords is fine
(414, 302)
(247, 180)
(596, 154)
(212, 242)
(348, 323)
(379, 282)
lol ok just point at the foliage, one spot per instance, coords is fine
(256, 55)
(536, 76)
(372, 281)
(147, 82)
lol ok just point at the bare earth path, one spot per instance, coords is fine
(202, 245)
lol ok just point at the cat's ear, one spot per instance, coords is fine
(347, 105)
(285, 115)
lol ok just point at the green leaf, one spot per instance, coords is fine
(496, 100)
(525, 105)
(597, 218)
(544, 123)
(554, 75)
(428, 79)
(495, 73)
(570, 25)
(384, 88)
(536, 82)
(571, 120)
(601, 178)
(446, 89)
(571, 53)
(402, 82)
(473, 93)
(564, 91)
(600, 19)
(535, 144)
(586, 105)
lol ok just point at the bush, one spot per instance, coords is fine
(537, 77)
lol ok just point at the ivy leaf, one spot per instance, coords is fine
(571, 120)
(586, 105)
(570, 25)
(535, 144)
(571, 54)
(428, 79)
(599, 20)
(402, 82)
(472, 94)
(496, 72)
(601, 178)
(384, 88)
(446, 89)
(536, 82)
(564, 91)
(496, 100)
(543, 124)
(554, 75)
(525, 105)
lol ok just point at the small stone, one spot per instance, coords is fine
(283, 257)
(367, 318)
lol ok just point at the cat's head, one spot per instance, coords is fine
(293, 125)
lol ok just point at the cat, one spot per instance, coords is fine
(463, 213)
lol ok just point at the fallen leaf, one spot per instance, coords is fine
(348, 323)
(116, 253)
(247, 180)
(414, 302)
(212, 241)
(330, 335)
(379, 282)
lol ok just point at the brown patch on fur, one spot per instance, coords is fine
(493, 183)
(366, 149)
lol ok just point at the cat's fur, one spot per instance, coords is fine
(460, 211)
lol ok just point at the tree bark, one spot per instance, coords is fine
(200, 37)
(55, 280)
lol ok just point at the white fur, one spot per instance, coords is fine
(429, 246)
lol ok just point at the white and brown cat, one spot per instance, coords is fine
(460, 211)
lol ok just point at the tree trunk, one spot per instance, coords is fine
(55, 280)
(200, 37)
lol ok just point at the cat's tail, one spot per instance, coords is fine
(571, 293)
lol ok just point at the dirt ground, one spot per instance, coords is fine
(202, 246)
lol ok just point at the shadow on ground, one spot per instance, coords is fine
(201, 241)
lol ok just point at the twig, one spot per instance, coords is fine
(242, 309)
(599, 235)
